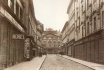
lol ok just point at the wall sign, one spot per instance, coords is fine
(17, 36)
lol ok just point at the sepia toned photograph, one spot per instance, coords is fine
(51, 34)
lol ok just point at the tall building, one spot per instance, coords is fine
(51, 40)
(30, 22)
(89, 26)
(18, 28)
(40, 30)
(89, 20)
(12, 32)
(68, 31)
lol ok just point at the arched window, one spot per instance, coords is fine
(44, 43)
(49, 43)
(58, 44)
(54, 44)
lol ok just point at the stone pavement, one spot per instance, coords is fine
(92, 65)
(55, 62)
(34, 64)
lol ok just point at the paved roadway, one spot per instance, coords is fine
(55, 62)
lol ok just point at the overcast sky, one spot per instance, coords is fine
(52, 13)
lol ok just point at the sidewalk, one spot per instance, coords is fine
(34, 64)
(94, 66)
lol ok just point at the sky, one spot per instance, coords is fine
(51, 13)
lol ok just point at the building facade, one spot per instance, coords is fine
(12, 31)
(17, 26)
(88, 22)
(64, 38)
(30, 21)
(51, 41)
(68, 31)
(40, 29)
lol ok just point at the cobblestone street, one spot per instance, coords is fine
(55, 62)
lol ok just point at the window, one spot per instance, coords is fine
(103, 18)
(51, 37)
(88, 27)
(85, 28)
(77, 14)
(50, 43)
(21, 14)
(17, 10)
(94, 1)
(82, 9)
(87, 4)
(79, 24)
(82, 31)
(94, 23)
(44, 38)
(6, 1)
(44, 43)
(11, 4)
(81, 1)
(58, 44)
(54, 43)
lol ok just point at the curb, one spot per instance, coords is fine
(76, 62)
(42, 62)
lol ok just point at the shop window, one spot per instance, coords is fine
(28, 48)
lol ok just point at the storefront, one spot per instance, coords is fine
(91, 48)
(70, 46)
(11, 48)
(30, 48)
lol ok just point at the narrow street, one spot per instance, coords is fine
(55, 62)
(49, 62)
(51, 34)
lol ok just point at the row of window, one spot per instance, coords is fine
(51, 44)
(88, 26)
(82, 8)
(88, 1)
(15, 7)
(51, 38)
